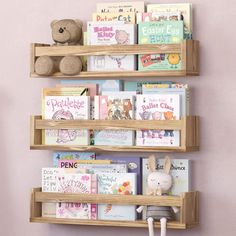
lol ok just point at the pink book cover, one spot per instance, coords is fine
(76, 183)
(101, 107)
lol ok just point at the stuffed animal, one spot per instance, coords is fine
(64, 32)
(158, 184)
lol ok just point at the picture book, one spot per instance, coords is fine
(62, 156)
(65, 104)
(114, 107)
(158, 107)
(134, 165)
(134, 6)
(76, 163)
(181, 89)
(157, 16)
(111, 183)
(111, 33)
(184, 8)
(76, 183)
(160, 32)
(127, 17)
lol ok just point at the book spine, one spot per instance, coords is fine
(93, 191)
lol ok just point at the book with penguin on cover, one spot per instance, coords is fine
(112, 183)
(65, 104)
(160, 32)
(111, 33)
(158, 107)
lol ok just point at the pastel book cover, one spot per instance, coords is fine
(134, 165)
(111, 107)
(76, 183)
(157, 16)
(65, 104)
(158, 107)
(62, 156)
(181, 89)
(185, 10)
(127, 17)
(134, 6)
(111, 33)
(161, 32)
(49, 184)
(124, 184)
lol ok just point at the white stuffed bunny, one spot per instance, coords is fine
(158, 183)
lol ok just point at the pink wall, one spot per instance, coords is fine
(23, 22)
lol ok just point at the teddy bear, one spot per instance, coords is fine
(64, 32)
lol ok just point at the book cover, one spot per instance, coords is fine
(127, 17)
(124, 183)
(63, 156)
(181, 89)
(111, 107)
(134, 6)
(111, 33)
(76, 183)
(161, 32)
(134, 165)
(185, 10)
(157, 16)
(76, 163)
(65, 104)
(158, 107)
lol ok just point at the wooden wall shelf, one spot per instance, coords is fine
(188, 127)
(187, 202)
(189, 50)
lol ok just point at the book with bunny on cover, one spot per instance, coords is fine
(160, 32)
(112, 183)
(114, 107)
(65, 104)
(158, 107)
(76, 183)
(111, 33)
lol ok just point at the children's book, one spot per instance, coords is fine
(134, 6)
(181, 89)
(127, 17)
(114, 107)
(184, 8)
(76, 163)
(65, 104)
(123, 183)
(111, 33)
(161, 32)
(76, 183)
(157, 16)
(63, 156)
(158, 107)
(134, 165)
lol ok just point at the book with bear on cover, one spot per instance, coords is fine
(76, 183)
(160, 32)
(65, 104)
(114, 107)
(123, 183)
(158, 107)
(111, 33)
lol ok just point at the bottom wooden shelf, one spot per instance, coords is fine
(187, 202)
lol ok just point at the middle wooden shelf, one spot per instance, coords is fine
(188, 127)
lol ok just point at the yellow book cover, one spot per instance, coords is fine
(127, 17)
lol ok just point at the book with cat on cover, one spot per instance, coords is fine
(185, 10)
(160, 32)
(158, 107)
(114, 107)
(135, 6)
(65, 104)
(76, 183)
(123, 183)
(111, 33)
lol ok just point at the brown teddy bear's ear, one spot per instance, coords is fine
(79, 22)
(53, 22)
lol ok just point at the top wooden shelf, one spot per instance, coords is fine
(187, 48)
